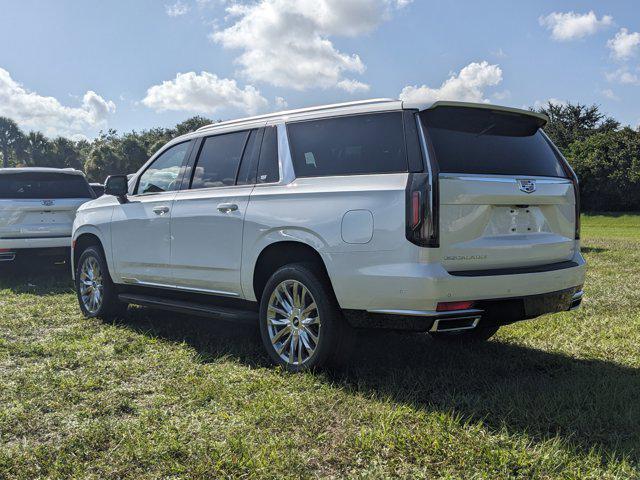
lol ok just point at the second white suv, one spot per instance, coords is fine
(448, 218)
(37, 209)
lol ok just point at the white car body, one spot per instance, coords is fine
(187, 240)
(43, 222)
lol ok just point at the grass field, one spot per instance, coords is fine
(160, 395)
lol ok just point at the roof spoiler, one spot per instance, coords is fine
(541, 117)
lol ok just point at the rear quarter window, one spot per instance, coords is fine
(479, 141)
(353, 145)
(36, 185)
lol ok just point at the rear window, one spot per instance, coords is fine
(355, 145)
(472, 140)
(29, 185)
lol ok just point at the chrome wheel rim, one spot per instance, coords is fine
(293, 322)
(91, 286)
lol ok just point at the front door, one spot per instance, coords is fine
(141, 226)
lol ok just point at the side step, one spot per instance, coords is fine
(190, 308)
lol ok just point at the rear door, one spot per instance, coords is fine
(505, 197)
(40, 204)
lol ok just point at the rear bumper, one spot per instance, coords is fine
(34, 242)
(485, 312)
(404, 288)
(24, 249)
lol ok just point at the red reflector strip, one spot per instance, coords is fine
(451, 306)
(4, 250)
(415, 209)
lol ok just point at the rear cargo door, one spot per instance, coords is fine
(40, 204)
(506, 201)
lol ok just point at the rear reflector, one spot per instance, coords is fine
(452, 306)
(4, 250)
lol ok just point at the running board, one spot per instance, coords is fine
(190, 308)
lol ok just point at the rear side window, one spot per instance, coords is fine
(354, 145)
(268, 167)
(219, 160)
(30, 185)
(479, 141)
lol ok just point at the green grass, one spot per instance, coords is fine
(164, 396)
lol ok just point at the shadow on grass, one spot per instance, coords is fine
(591, 404)
(39, 277)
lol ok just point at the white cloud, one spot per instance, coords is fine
(624, 45)
(553, 101)
(623, 76)
(46, 114)
(467, 86)
(503, 95)
(177, 9)
(203, 93)
(281, 103)
(573, 26)
(287, 43)
(608, 93)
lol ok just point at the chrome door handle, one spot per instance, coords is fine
(227, 207)
(160, 210)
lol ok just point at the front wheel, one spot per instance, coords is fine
(96, 292)
(301, 325)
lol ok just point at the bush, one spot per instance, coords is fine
(608, 166)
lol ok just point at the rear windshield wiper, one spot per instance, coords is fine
(485, 130)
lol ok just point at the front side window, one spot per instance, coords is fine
(354, 145)
(219, 159)
(164, 174)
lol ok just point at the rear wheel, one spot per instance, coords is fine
(301, 325)
(96, 292)
(476, 335)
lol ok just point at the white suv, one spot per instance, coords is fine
(37, 209)
(449, 218)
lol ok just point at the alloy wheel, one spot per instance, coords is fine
(293, 322)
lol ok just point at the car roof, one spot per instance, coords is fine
(351, 108)
(68, 171)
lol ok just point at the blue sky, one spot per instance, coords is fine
(75, 67)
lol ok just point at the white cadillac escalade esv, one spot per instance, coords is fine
(449, 218)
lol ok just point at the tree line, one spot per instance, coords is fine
(604, 154)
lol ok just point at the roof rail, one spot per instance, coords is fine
(300, 110)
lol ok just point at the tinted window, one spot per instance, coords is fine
(353, 145)
(268, 168)
(219, 159)
(163, 175)
(247, 170)
(43, 185)
(471, 140)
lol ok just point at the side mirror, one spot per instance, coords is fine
(116, 185)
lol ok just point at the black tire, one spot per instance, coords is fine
(333, 334)
(477, 335)
(110, 307)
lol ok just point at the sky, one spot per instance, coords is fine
(74, 68)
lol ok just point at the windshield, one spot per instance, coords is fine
(482, 141)
(30, 185)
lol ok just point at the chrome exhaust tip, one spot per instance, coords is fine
(454, 324)
(7, 256)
